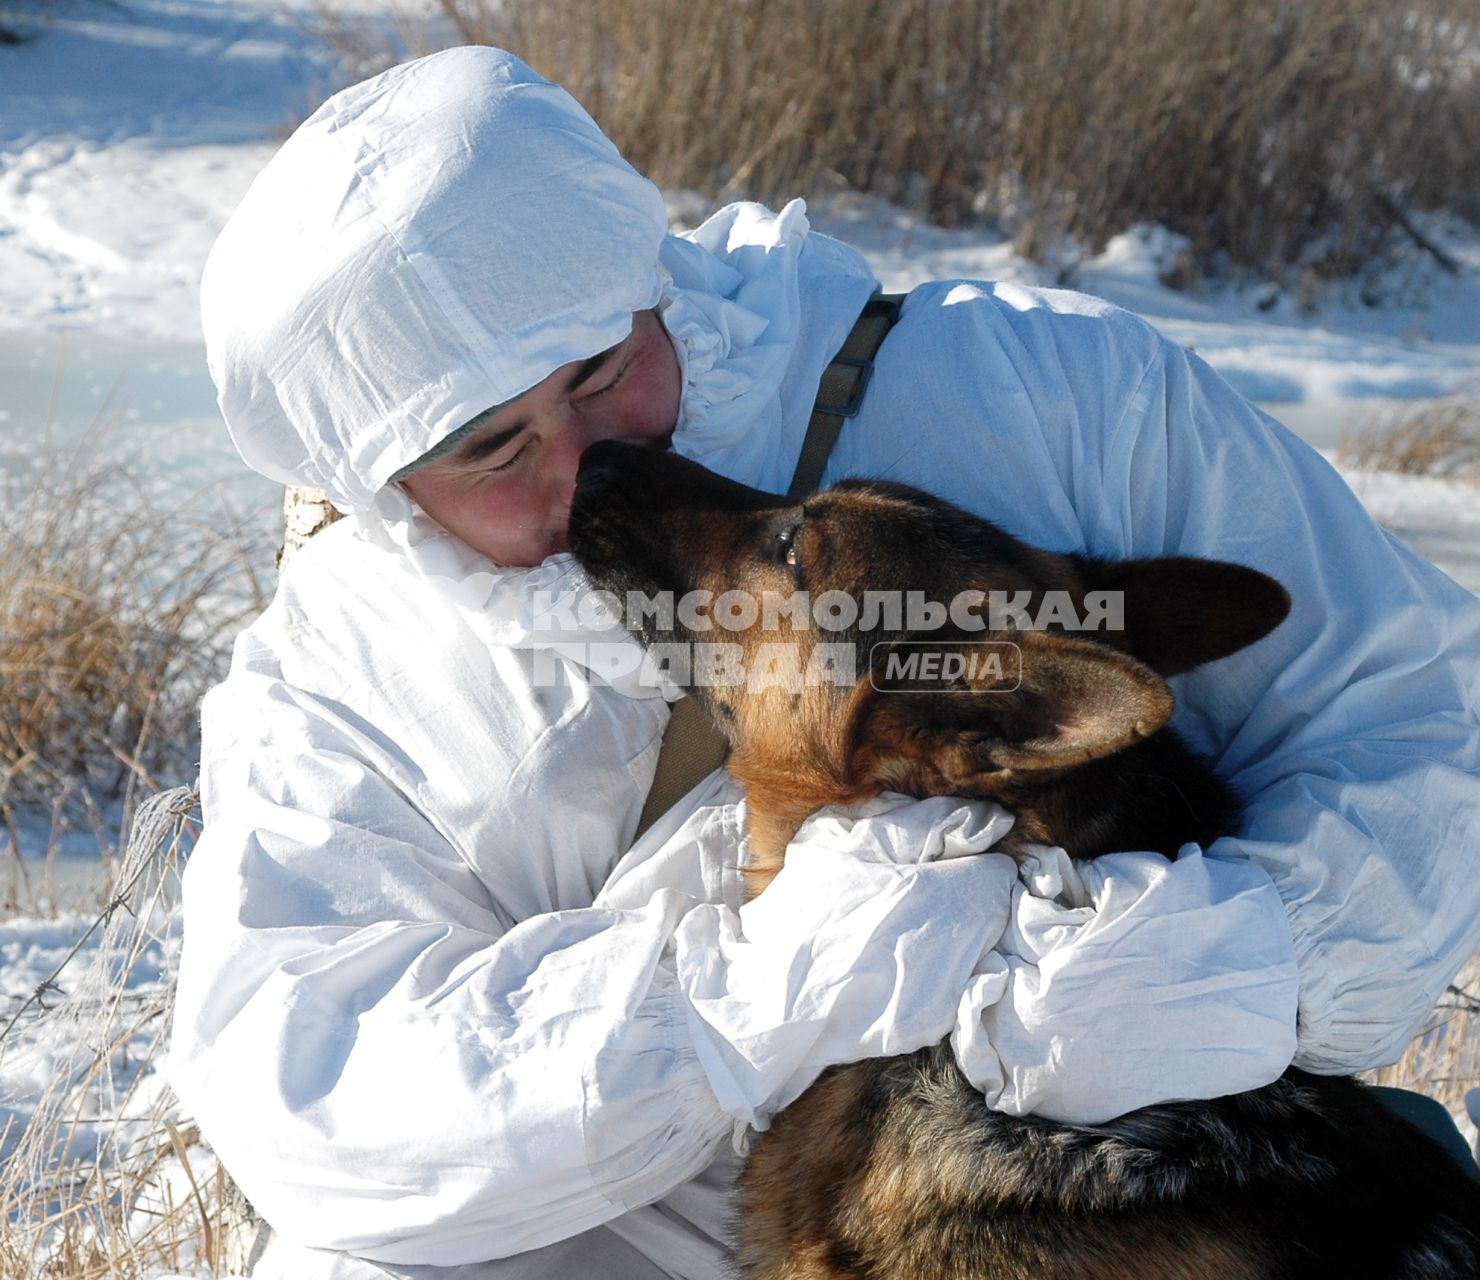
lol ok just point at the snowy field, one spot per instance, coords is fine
(129, 129)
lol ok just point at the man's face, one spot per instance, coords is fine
(506, 490)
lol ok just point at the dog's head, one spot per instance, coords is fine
(874, 637)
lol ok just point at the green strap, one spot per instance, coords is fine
(692, 747)
(840, 393)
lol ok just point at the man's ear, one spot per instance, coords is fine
(1061, 703)
(1181, 612)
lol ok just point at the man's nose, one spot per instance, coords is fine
(563, 459)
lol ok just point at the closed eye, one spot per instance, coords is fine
(622, 370)
(612, 385)
(504, 466)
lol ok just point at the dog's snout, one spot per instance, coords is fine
(659, 481)
(601, 465)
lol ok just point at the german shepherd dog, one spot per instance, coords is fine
(895, 1168)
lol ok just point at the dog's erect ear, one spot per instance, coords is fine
(1076, 702)
(1181, 612)
(1062, 703)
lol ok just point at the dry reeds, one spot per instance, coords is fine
(116, 610)
(1443, 1061)
(1438, 438)
(1285, 134)
(101, 1179)
(118, 599)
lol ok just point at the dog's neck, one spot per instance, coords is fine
(1153, 797)
(777, 802)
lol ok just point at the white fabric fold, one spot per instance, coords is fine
(758, 305)
(858, 948)
(1077, 1016)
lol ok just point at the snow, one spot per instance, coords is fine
(128, 132)
(129, 129)
(1440, 518)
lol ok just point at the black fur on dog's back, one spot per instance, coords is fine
(896, 1169)
(1297, 1180)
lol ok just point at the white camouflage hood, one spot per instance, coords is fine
(428, 244)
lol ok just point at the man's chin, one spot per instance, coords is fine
(530, 559)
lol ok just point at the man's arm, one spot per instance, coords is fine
(383, 1060)
(402, 1022)
(1352, 731)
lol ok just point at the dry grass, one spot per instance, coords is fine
(118, 601)
(1444, 1060)
(1439, 438)
(1291, 136)
(116, 614)
(103, 1181)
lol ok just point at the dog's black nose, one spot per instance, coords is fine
(601, 464)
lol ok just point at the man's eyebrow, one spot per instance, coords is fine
(588, 367)
(480, 447)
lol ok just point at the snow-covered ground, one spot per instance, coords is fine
(130, 128)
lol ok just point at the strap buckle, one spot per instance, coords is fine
(865, 370)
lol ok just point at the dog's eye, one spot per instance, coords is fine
(786, 546)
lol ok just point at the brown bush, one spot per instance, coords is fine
(115, 616)
(1438, 438)
(1278, 132)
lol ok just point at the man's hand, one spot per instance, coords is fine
(861, 947)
